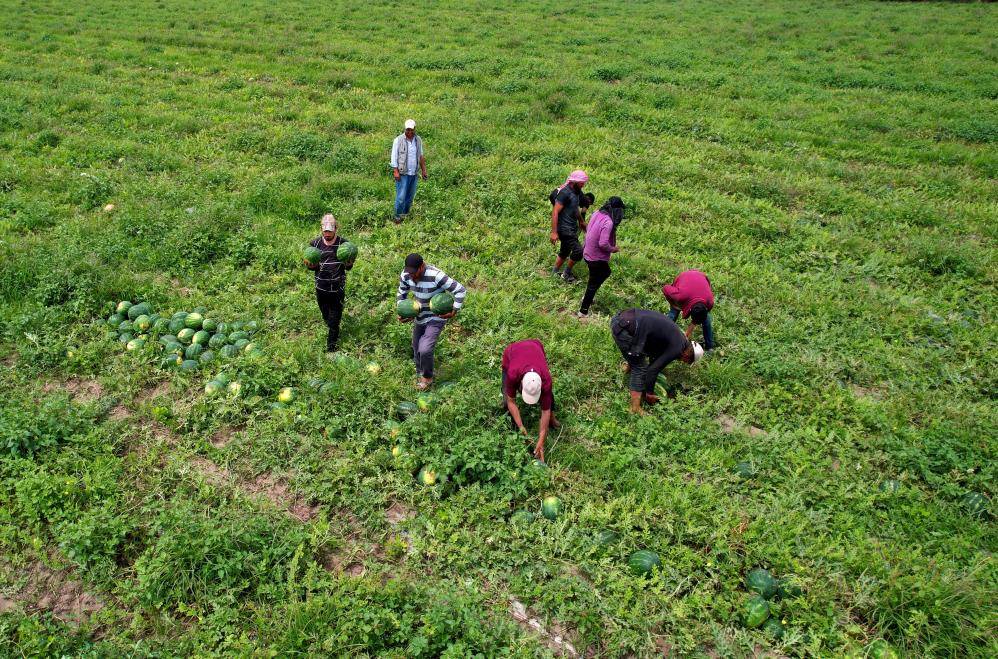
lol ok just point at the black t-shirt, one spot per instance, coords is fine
(331, 275)
(568, 218)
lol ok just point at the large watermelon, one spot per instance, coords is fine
(238, 336)
(137, 310)
(405, 410)
(755, 611)
(441, 303)
(193, 321)
(551, 507)
(126, 326)
(761, 581)
(125, 337)
(189, 365)
(186, 335)
(976, 504)
(201, 337)
(171, 361)
(223, 328)
(313, 255)
(209, 325)
(160, 325)
(142, 323)
(167, 339)
(408, 308)
(135, 344)
(174, 348)
(193, 351)
(643, 562)
(176, 326)
(346, 252)
(123, 307)
(217, 341)
(207, 357)
(228, 352)
(115, 319)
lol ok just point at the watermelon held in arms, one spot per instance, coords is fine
(441, 303)
(762, 582)
(312, 255)
(551, 507)
(346, 252)
(643, 562)
(755, 611)
(408, 308)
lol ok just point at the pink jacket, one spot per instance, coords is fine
(599, 238)
(689, 288)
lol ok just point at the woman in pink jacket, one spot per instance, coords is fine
(601, 242)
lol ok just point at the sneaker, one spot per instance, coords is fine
(397, 219)
(569, 277)
(581, 314)
(555, 271)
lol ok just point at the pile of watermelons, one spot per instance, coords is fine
(186, 340)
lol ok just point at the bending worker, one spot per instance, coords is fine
(525, 370)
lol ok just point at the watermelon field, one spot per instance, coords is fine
(822, 484)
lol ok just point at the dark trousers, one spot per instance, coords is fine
(599, 271)
(331, 306)
(708, 329)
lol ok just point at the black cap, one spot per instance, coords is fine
(412, 263)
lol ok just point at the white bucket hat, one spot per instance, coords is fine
(697, 352)
(530, 388)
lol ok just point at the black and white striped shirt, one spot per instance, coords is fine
(432, 282)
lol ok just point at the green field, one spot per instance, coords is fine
(831, 165)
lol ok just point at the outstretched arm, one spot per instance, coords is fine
(514, 412)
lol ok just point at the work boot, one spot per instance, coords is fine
(569, 277)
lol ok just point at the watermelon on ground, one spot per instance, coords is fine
(228, 352)
(135, 344)
(976, 504)
(890, 486)
(193, 321)
(176, 326)
(125, 337)
(193, 351)
(522, 517)
(115, 319)
(234, 388)
(143, 323)
(405, 409)
(241, 343)
(126, 326)
(313, 255)
(744, 470)
(551, 507)
(346, 252)
(238, 336)
(251, 348)
(787, 587)
(236, 326)
(167, 339)
(441, 303)
(216, 341)
(123, 307)
(606, 537)
(315, 384)
(179, 315)
(643, 561)
(174, 348)
(189, 365)
(774, 628)
(881, 649)
(207, 357)
(251, 326)
(223, 329)
(160, 325)
(329, 388)
(209, 325)
(213, 388)
(137, 310)
(186, 335)
(755, 611)
(286, 395)
(201, 337)
(427, 476)
(408, 308)
(761, 581)
(171, 361)
(425, 401)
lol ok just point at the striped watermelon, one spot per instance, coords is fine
(441, 303)
(408, 308)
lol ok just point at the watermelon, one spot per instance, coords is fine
(160, 325)
(234, 388)
(788, 587)
(111, 336)
(441, 303)
(606, 537)
(251, 326)
(186, 335)
(217, 341)
(126, 326)
(143, 323)
(193, 351)
(890, 486)
(207, 357)
(125, 337)
(976, 504)
(761, 581)
(397, 451)
(522, 517)
(228, 352)
(329, 388)
(643, 561)
(373, 368)
(123, 307)
(774, 628)
(881, 649)
(237, 326)
(137, 310)
(744, 470)
(425, 401)
(167, 339)
(115, 319)
(315, 384)
(179, 315)
(135, 344)
(171, 362)
(346, 252)
(223, 329)
(405, 410)
(251, 348)
(174, 348)
(189, 365)
(201, 337)
(408, 308)
(209, 325)
(176, 326)
(661, 387)
(755, 611)
(200, 310)
(277, 405)
(551, 507)
(213, 388)
(286, 395)
(193, 321)
(538, 465)
(427, 476)
(238, 336)
(241, 343)
(312, 255)
(394, 429)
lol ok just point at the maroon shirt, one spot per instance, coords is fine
(689, 288)
(520, 358)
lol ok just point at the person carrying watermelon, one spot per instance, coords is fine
(566, 221)
(439, 298)
(330, 278)
(690, 293)
(601, 243)
(525, 370)
(650, 341)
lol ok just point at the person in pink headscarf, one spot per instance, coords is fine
(566, 220)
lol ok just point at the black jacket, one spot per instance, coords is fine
(642, 334)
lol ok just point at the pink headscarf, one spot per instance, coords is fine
(578, 176)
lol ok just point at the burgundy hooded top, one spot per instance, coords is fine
(690, 287)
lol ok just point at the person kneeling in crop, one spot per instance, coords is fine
(425, 282)
(650, 341)
(690, 293)
(525, 370)
(330, 279)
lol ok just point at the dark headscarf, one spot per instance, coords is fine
(614, 207)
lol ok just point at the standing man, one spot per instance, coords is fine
(691, 294)
(525, 370)
(407, 156)
(330, 279)
(425, 281)
(601, 243)
(649, 341)
(566, 220)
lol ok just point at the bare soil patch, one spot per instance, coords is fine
(554, 636)
(54, 591)
(119, 413)
(398, 513)
(152, 393)
(729, 425)
(278, 493)
(83, 390)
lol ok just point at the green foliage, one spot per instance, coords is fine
(26, 429)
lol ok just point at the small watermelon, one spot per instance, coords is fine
(427, 476)
(315, 384)
(744, 470)
(238, 336)
(176, 326)
(976, 504)
(216, 341)
(236, 326)
(606, 537)
(228, 352)
(189, 365)
(408, 308)
(241, 344)
(551, 507)
(251, 347)
(397, 451)
(643, 562)
(286, 395)
(405, 409)
(135, 344)
(126, 326)
(201, 337)
(313, 255)
(186, 335)
(329, 388)
(193, 351)
(143, 323)
(522, 517)
(761, 581)
(115, 319)
(755, 611)
(881, 649)
(441, 303)
(890, 486)
(346, 252)
(213, 388)
(209, 325)
(788, 587)
(123, 307)
(171, 362)
(774, 628)
(374, 368)
(193, 321)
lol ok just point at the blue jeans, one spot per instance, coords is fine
(405, 190)
(708, 329)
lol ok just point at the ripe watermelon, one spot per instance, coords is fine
(408, 308)
(755, 611)
(346, 252)
(237, 326)
(200, 310)
(137, 310)
(174, 348)
(313, 255)
(643, 561)
(286, 395)
(213, 388)
(228, 352)
(186, 335)
(251, 349)
(788, 587)
(171, 361)
(126, 326)
(217, 341)
(241, 343)
(123, 307)
(115, 319)
(207, 357)
(606, 537)
(551, 507)
(315, 384)
(201, 337)
(125, 337)
(774, 628)
(330, 388)
(425, 401)
(744, 470)
(397, 451)
(135, 344)
(160, 325)
(761, 581)
(176, 326)
(234, 388)
(427, 476)
(522, 517)
(251, 326)
(238, 336)
(223, 329)
(189, 365)
(441, 303)
(209, 325)
(193, 321)
(167, 339)
(193, 351)
(976, 504)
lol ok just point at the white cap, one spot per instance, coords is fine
(328, 222)
(530, 388)
(410, 123)
(697, 352)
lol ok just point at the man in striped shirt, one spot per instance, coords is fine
(425, 281)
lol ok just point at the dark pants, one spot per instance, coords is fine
(424, 342)
(331, 306)
(569, 247)
(502, 387)
(708, 329)
(599, 271)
